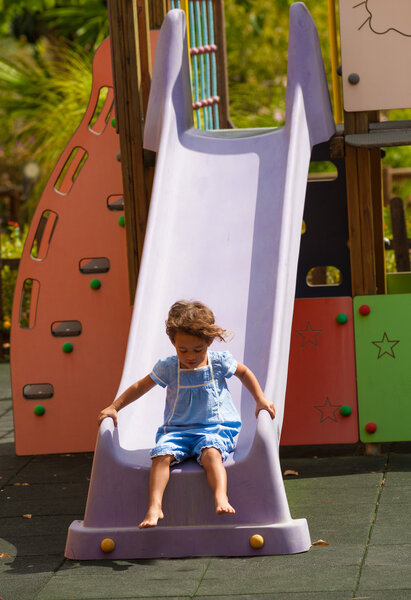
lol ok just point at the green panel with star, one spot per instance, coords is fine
(382, 326)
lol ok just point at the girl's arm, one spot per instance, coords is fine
(135, 391)
(249, 380)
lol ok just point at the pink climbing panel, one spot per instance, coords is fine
(68, 334)
(321, 402)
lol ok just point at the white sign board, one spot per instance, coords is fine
(376, 54)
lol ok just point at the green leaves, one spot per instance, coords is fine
(87, 21)
(257, 46)
(43, 96)
(83, 21)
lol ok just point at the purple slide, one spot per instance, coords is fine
(224, 227)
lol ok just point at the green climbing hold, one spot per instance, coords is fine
(342, 318)
(113, 122)
(95, 284)
(67, 347)
(345, 411)
(39, 410)
(121, 221)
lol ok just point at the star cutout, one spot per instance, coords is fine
(328, 411)
(309, 335)
(386, 346)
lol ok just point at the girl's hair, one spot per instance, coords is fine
(194, 318)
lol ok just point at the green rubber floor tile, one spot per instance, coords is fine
(6, 407)
(29, 565)
(383, 594)
(343, 595)
(51, 593)
(100, 580)
(400, 462)
(392, 524)
(352, 489)
(8, 439)
(6, 424)
(389, 555)
(335, 554)
(55, 468)
(334, 466)
(23, 586)
(35, 535)
(382, 577)
(269, 575)
(396, 494)
(5, 402)
(43, 499)
(399, 480)
(37, 545)
(337, 525)
(10, 461)
(399, 471)
(23, 578)
(5, 439)
(7, 431)
(5, 382)
(34, 526)
(8, 548)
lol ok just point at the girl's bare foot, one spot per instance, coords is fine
(152, 517)
(222, 506)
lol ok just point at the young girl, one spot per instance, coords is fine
(200, 419)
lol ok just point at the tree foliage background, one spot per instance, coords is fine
(46, 50)
(257, 44)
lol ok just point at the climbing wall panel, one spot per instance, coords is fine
(383, 354)
(71, 312)
(321, 404)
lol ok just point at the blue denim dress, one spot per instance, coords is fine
(199, 411)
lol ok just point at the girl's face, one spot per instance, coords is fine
(191, 350)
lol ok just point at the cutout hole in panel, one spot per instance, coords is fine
(115, 202)
(66, 328)
(71, 170)
(94, 265)
(28, 304)
(324, 275)
(44, 233)
(38, 391)
(102, 110)
(322, 170)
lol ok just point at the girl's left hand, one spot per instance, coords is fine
(265, 404)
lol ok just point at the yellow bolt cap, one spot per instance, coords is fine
(256, 541)
(107, 545)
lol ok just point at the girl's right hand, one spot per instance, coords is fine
(110, 411)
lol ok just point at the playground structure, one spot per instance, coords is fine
(213, 230)
(347, 376)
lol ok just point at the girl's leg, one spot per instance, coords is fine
(159, 476)
(217, 479)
